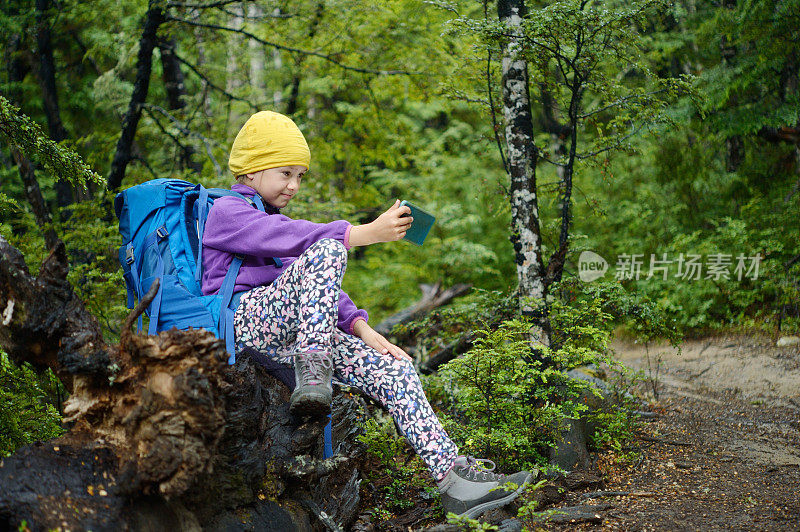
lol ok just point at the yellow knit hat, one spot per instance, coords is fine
(268, 140)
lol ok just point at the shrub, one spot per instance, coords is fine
(25, 414)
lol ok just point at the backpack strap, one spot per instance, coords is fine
(202, 214)
(327, 436)
(155, 307)
(132, 281)
(225, 313)
(258, 202)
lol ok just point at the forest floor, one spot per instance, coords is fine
(718, 450)
(722, 453)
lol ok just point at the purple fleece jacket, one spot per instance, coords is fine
(234, 226)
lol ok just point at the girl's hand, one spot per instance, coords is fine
(388, 227)
(376, 341)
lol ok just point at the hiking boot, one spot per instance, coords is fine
(313, 373)
(468, 489)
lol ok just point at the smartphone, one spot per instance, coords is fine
(423, 221)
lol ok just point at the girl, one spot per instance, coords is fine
(294, 310)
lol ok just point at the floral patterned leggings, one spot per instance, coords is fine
(298, 312)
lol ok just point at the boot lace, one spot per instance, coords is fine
(316, 364)
(477, 469)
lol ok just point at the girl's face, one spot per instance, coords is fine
(277, 186)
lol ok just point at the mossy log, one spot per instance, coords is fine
(163, 434)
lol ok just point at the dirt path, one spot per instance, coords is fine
(723, 452)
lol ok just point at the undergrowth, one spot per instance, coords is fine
(26, 410)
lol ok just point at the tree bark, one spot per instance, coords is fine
(47, 81)
(122, 155)
(34, 196)
(173, 79)
(16, 73)
(43, 322)
(522, 159)
(432, 297)
(171, 74)
(291, 104)
(258, 58)
(164, 434)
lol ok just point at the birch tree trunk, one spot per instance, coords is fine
(522, 157)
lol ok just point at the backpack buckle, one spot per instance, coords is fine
(162, 232)
(129, 255)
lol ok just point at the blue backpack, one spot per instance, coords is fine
(162, 223)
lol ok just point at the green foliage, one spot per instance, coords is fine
(395, 475)
(382, 442)
(475, 310)
(753, 48)
(498, 403)
(467, 523)
(92, 248)
(92, 244)
(642, 317)
(26, 415)
(425, 133)
(686, 203)
(505, 407)
(26, 136)
(613, 429)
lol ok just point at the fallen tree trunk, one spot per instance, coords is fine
(164, 434)
(447, 353)
(43, 321)
(432, 297)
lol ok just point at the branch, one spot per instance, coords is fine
(491, 100)
(136, 312)
(619, 102)
(22, 132)
(432, 297)
(34, 195)
(203, 6)
(532, 41)
(294, 50)
(617, 144)
(185, 131)
(213, 86)
(223, 3)
(257, 17)
(554, 163)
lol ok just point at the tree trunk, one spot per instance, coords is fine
(47, 80)
(432, 297)
(171, 74)
(173, 79)
(16, 72)
(555, 265)
(164, 434)
(122, 156)
(291, 105)
(522, 158)
(233, 77)
(34, 196)
(258, 58)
